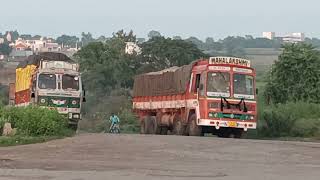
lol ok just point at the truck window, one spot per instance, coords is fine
(202, 82)
(197, 83)
(47, 81)
(70, 82)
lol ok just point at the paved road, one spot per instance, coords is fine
(138, 157)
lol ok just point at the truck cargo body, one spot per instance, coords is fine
(50, 80)
(215, 95)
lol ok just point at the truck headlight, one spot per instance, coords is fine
(74, 102)
(76, 116)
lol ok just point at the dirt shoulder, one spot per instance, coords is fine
(161, 157)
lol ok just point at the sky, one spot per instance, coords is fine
(185, 18)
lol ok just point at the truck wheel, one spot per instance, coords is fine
(164, 130)
(74, 126)
(142, 126)
(178, 127)
(238, 133)
(150, 125)
(224, 133)
(193, 128)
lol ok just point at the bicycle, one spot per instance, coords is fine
(115, 129)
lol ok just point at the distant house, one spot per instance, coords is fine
(52, 47)
(132, 48)
(41, 45)
(20, 47)
(1, 40)
(294, 38)
(2, 57)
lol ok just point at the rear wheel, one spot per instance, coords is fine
(193, 128)
(164, 130)
(73, 126)
(150, 125)
(142, 126)
(178, 127)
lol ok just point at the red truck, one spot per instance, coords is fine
(215, 95)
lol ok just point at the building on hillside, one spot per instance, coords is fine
(294, 37)
(131, 48)
(269, 35)
(41, 45)
(2, 57)
(9, 37)
(1, 40)
(21, 47)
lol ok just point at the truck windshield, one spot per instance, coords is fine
(243, 86)
(70, 82)
(47, 81)
(218, 84)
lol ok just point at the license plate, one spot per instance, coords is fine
(232, 124)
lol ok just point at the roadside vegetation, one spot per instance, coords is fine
(288, 92)
(32, 124)
(290, 95)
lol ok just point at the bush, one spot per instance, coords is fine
(35, 121)
(128, 121)
(298, 119)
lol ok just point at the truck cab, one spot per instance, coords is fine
(226, 97)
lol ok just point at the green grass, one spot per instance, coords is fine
(21, 140)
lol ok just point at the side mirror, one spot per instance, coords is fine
(257, 91)
(33, 95)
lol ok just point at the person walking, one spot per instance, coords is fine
(115, 121)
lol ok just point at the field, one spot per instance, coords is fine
(262, 59)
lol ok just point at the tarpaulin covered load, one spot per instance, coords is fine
(166, 82)
(50, 56)
(27, 67)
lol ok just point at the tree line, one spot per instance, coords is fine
(231, 45)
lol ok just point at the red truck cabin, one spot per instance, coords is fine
(225, 89)
(215, 95)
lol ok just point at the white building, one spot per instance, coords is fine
(269, 35)
(9, 38)
(294, 37)
(132, 47)
(41, 45)
(1, 40)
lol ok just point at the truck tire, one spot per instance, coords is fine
(224, 132)
(178, 127)
(164, 130)
(238, 133)
(193, 128)
(142, 126)
(150, 125)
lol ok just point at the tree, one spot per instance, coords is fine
(86, 38)
(160, 53)
(67, 40)
(177, 38)
(126, 37)
(106, 66)
(196, 41)
(295, 76)
(26, 36)
(36, 37)
(153, 34)
(5, 49)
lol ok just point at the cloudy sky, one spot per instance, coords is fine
(200, 18)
